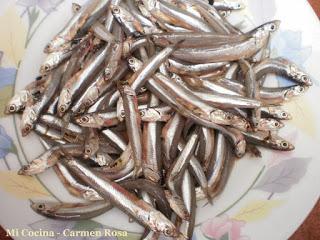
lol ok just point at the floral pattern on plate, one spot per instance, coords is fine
(279, 174)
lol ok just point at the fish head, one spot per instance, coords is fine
(108, 73)
(237, 5)
(150, 114)
(270, 124)
(35, 167)
(88, 151)
(240, 123)
(282, 144)
(17, 102)
(91, 195)
(49, 48)
(76, 7)
(135, 64)
(279, 113)
(91, 147)
(295, 91)
(45, 68)
(305, 79)
(263, 32)
(45, 208)
(298, 75)
(86, 120)
(116, 10)
(240, 148)
(29, 117)
(121, 15)
(58, 43)
(39, 207)
(92, 95)
(151, 4)
(161, 224)
(272, 26)
(52, 60)
(221, 117)
(64, 101)
(26, 129)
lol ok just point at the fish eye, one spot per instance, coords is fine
(276, 124)
(229, 118)
(41, 206)
(300, 89)
(305, 78)
(142, 113)
(12, 108)
(116, 10)
(273, 27)
(88, 151)
(284, 144)
(122, 114)
(84, 119)
(284, 114)
(80, 110)
(25, 168)
(46, 67)
(62, 108)
(131, 61)
(27, 128)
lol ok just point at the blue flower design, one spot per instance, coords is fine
(6, 143)
(288, 44)
(7, 75)
(46, 5)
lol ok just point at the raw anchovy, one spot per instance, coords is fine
(282, 67)
(72, 211)
(79, 80)
(126, 201)
(229, 52)
(63, 38)
(133, 123)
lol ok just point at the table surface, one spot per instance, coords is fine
(310, 229)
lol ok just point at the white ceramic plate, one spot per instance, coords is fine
(265, 198)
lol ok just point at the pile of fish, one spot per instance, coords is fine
(144, 105)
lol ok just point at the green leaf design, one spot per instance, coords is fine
(225, 237)
(86, 225)
(33, 16)
(5, 96)
(14, 149)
